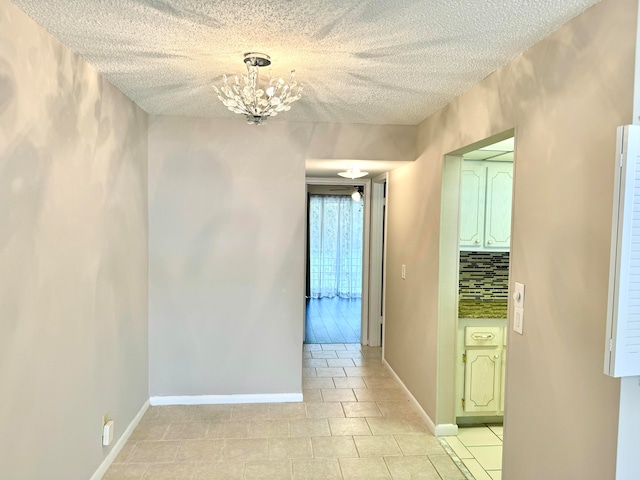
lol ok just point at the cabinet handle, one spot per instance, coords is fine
(482, 336)
(477, 241)
(496, 356)
(489, 242)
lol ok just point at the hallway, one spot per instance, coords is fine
(333, 320)
(355, 423)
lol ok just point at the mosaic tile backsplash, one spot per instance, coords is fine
(484, 276)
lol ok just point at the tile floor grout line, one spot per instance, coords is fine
(340, 465)
(491, 430)
(463, 468)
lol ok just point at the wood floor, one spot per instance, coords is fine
(333, 320)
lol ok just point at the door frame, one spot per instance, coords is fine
(366, 184)
(448, 273)
(378, 259)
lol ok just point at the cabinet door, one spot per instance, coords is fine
(502, 378)
(498, 208)
(482, 380)
(472, 198)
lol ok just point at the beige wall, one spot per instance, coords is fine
(565, 97)
(73, 256)
(226, 251)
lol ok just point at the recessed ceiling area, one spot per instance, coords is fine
(326, 168)
(362, 61)
(501, 151)
(497, 152)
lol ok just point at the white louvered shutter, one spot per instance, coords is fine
(622, 348)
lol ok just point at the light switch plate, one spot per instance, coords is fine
(404, 272)
(518, 319)
(518, 295)
(107, 433)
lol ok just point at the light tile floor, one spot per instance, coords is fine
(355, 423)
(333, 320)
(480, 450)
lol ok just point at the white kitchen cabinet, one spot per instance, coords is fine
(473, 186)
(497, 231)
(485, 205)
(504, 370)
(481, 371)
(482, 380)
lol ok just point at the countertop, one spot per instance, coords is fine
(481, 309)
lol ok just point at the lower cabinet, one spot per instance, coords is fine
(483, 380)
(482, 370)
(504, 365)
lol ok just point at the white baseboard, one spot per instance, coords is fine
(222, 399)
(108, 460)
(446, 430)
(441, 430)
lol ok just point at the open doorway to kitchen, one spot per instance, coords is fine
(475, 239)
(335, 263)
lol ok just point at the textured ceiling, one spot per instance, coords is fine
(362, 61)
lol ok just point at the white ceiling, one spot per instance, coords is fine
(323, 167)
(362, 61)
(498, 152)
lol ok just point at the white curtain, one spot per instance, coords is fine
(335, 243)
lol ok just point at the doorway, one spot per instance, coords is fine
(475, 240)
(335, 222)
(377, 270)
(337, 267)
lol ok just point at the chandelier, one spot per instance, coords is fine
(246, 95)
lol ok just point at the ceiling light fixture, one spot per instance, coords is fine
(257, 102)
(353, 173)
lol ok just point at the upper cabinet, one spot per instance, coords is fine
(473, 187)
(485, 205)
